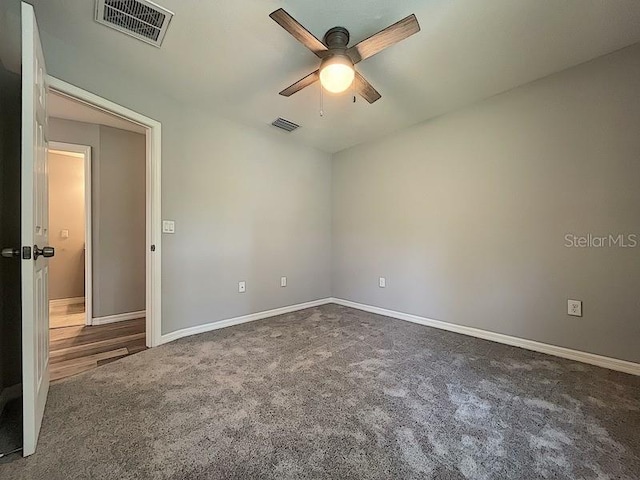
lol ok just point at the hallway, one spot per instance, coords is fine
(77, 348)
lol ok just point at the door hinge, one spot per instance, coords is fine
(153, 248)
(26, 253)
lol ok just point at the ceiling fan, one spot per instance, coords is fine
(337, 66)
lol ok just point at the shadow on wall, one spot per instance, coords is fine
(10, 296)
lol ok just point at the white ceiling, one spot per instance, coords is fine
(231, 58)
(63, 107)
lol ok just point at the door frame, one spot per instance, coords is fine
(85, 151)
(153, 152)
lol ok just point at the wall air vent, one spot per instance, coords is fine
(141, 19)
(285, 124)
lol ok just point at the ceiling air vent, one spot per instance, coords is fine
(285, 124)
(141, 19)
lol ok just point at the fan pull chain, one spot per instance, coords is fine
(354, 90)
(321, 102)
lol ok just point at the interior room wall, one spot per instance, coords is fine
(248, 205)
(118, 208)
(467, 215)
(66, 213)
(120, 215)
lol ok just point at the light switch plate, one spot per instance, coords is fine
(242, 287)
(64, 233)
(283, 281)
(574, 308)
(168, 226)
(382, 282)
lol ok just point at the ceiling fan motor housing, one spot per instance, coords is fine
(337, 38)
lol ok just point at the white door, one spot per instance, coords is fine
(35, 235)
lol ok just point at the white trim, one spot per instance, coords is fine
(153, 200)
(9, 393)
(207, 327)
(85, 152)
(577, 355)
(62, 302)
(120, 317)
(154, 236)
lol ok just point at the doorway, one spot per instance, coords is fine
(97, 226)
(70, 272)
(153, 220)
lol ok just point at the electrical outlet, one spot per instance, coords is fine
(382, 282)
(283, 281)
(574, 308)
(242, 287)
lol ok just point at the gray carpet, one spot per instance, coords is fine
(337, 393)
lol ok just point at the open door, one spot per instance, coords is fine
(35, 235)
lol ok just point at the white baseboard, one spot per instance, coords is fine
(60, 302)
(120, 317)
(9, 393)
(577, 355)
(207, 327)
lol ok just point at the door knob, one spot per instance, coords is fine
(46, 252)
(11, 252)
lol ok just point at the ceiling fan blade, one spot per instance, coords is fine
(302, 83)
(384, 38)
(365, 89)
(300, 33)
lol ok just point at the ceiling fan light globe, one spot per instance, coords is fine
(337, 74)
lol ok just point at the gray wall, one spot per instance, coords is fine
(118, 204)
(466, 215)
(120, 243)
(248, 205)
(66, 212)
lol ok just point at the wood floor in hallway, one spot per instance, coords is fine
(66, 315)
(76, 349)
